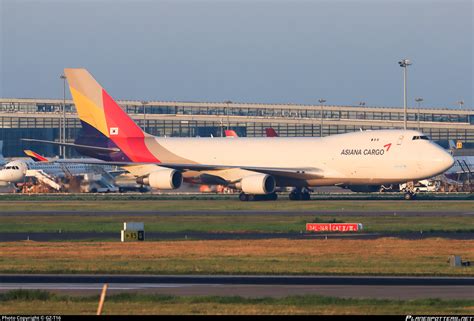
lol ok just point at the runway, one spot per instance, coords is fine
(251, 286)
(157, 236)
(239, 213)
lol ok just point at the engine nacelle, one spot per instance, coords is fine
(162, 179)
(258, 184)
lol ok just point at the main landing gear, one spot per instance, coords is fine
(253, 197)
(300, 194)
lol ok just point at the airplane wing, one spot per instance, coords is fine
(88, 147)
(296, 173)
(283, 172)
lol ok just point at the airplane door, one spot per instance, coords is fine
(400, 140)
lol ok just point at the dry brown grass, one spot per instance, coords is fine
(385, 255)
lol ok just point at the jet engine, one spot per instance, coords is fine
(165, 178)
(258, 184)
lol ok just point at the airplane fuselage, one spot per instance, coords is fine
(16, 171)
(369, 157)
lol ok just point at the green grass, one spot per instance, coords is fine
(232, 223)
(212, 196)
(34, 204)
(42, 302)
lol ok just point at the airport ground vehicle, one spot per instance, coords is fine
(425, 185)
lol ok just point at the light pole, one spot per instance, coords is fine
(63, 129)
(321, 102)
(404, 64)
(418, 100)
(228, 102)
(144, 102)
(461, 104)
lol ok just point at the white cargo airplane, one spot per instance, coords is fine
(253, 165)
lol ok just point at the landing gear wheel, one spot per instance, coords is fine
(300, 194)
(243, 197)
(252, 197)
(294, 196)
(305, 196)
(272, 197)
(409, 196)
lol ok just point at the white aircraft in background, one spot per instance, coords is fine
(463, 166)
(48, 171)
(256, 166)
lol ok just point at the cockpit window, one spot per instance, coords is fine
(11, 167)
(420, 137)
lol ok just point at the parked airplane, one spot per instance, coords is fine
(253, 165)
(48, 171)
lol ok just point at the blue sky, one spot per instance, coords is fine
(345, 51)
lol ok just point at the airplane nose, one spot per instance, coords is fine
(444, 160)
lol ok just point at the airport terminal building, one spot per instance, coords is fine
(42, 118)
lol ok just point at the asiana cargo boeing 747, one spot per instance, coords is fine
(255, 166)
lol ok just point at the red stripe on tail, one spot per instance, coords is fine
(125, 133)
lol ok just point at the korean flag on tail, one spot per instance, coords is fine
(114, 131)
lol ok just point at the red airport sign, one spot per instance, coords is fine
(333, 227)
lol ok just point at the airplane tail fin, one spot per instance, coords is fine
(104, 123)
(452, 144)
(230, 133)
(270, 132)
(35, 156)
